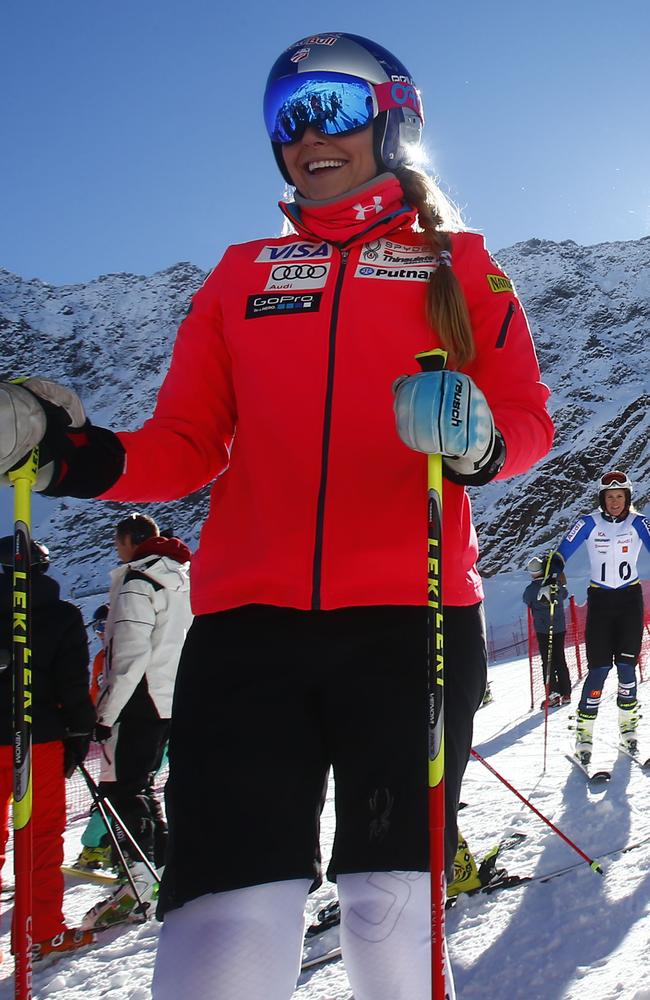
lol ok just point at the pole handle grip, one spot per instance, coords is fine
(432, 361)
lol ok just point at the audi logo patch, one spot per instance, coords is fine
(297, 276)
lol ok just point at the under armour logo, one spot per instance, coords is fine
(363, 210)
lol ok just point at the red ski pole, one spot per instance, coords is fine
(549, 667)
(433, 361)
(22, 480)
(590, 861)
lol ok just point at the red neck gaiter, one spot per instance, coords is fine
(376, 207)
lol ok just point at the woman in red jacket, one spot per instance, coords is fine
(309, 646)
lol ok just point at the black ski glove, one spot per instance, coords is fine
(75, 458)
(101, 734)
(75, 749)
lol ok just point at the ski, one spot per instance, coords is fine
(89, 875)
(328, 916)
(516, 881)
(503, 881)
(593, 777)
(644, 765)
(633, 755)
(328, 956)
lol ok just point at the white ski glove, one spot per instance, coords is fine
(28, 412)
(553, 567)
(445, 413)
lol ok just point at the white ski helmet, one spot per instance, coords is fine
(536, 566)
(615, 480)
(338, 83)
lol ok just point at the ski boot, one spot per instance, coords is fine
(122, 905)
(466, 875)
(554, 699)
(69, 939)
(93, 859)
(584, 737)
(628, 718)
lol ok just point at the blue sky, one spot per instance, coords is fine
(133, 135)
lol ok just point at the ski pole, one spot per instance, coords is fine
(549, 658)
(140, 908)
(122, 834)
(590, 861)
(530, 659)
(22, 480)
(435, 361)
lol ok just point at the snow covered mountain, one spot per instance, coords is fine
(589, 308)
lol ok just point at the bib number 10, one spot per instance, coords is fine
(624, 571)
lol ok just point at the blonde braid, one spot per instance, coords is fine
(445, 307)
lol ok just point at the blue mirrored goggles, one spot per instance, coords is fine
(332, 103)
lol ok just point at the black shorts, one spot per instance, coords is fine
(614, 627)
(268, 699)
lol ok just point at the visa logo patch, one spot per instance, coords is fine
(295, 251)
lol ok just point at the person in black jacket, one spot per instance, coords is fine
(63, 718)
(559, 679)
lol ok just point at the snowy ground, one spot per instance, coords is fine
(576, 936)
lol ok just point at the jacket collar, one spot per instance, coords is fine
(377, 207)
(162, 546)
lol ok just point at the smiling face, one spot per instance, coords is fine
(326, 166)
(615, 502)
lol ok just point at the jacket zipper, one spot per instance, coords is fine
(327, 422)
(501, 339)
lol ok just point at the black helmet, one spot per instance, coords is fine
(40, 554)
(100, 614)
(339, 83)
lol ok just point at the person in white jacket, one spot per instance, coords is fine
(149, 615)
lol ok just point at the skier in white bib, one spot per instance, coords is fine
(613, 535)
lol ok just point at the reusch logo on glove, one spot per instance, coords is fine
(456, 405)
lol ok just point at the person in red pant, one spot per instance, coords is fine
(63, 719)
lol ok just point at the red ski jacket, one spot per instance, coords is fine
(280, 388)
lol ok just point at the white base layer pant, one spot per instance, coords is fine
(247, 944)
(386, 935)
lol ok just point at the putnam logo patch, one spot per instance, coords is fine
(499, 283)
(258, 306)
(394, 273)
